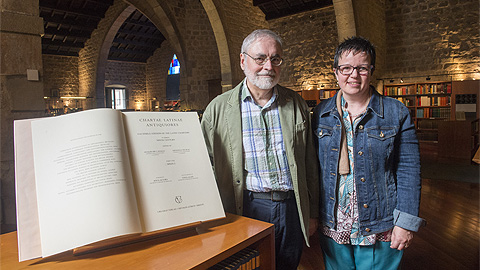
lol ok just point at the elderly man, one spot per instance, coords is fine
(260, 142)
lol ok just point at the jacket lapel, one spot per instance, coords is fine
(233, 120)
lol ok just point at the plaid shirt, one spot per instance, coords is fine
(266, 164)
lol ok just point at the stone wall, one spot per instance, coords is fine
(20, 49)
(432, 38)
(239, 18)
(202, 62)
(60, 73)
(309, 41)
(157, 71)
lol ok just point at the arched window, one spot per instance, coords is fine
(174, 66)
(173, 84)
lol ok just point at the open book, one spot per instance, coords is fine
(93, 175)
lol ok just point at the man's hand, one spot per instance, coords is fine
(401, 238)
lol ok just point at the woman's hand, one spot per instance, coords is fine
(401, 238)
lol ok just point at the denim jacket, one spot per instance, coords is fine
(387, 164)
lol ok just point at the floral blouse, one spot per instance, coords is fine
(348, 227)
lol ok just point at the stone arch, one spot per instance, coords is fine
(103, 55)
(222, 44)
(158, 12)
(158, 15)
(345, 18)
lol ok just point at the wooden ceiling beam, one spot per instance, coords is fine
(64, 32)
(66, 43)
(89, 13)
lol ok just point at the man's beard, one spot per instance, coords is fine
(261, 82)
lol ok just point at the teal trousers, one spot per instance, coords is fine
(345, 257)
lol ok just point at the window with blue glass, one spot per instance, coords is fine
(173, 80)
(174, 66)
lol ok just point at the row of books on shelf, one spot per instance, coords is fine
(324, 94)
(433, 101)
(425, 101)
(399, 90)
(428, 88)
(438, 88)
(433, 112)
(406, 101)
(246, 259)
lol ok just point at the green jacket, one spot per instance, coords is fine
(222, 129)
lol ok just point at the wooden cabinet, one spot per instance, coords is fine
(457, 139)
(211, 243)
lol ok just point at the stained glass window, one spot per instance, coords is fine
(174, 66)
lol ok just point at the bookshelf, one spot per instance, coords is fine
(327, 93)
(428, 104)
(315, 96)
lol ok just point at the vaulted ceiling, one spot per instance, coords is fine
(69, 24)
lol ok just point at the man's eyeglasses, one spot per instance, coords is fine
(275, 60)
(348, 69)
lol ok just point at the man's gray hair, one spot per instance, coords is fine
(258, 34)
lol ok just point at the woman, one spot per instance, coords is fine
(370, 168)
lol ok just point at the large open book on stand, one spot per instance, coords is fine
(98, 174)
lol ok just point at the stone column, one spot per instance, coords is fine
(345, 16)
(21, 87)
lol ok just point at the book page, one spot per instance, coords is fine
(28, 229)
(85, 191)
(171, 168)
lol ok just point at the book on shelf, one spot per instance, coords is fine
(433, 101)
(399, 90)
(325, 93)
(433, 113)
(424, 101)
(246, 259)
(420, 113)
(434, 88)
(99, 174)
(406, 101)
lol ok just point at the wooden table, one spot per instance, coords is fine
(209, 244)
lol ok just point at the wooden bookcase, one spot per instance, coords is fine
(315, 96)
(428, 103)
